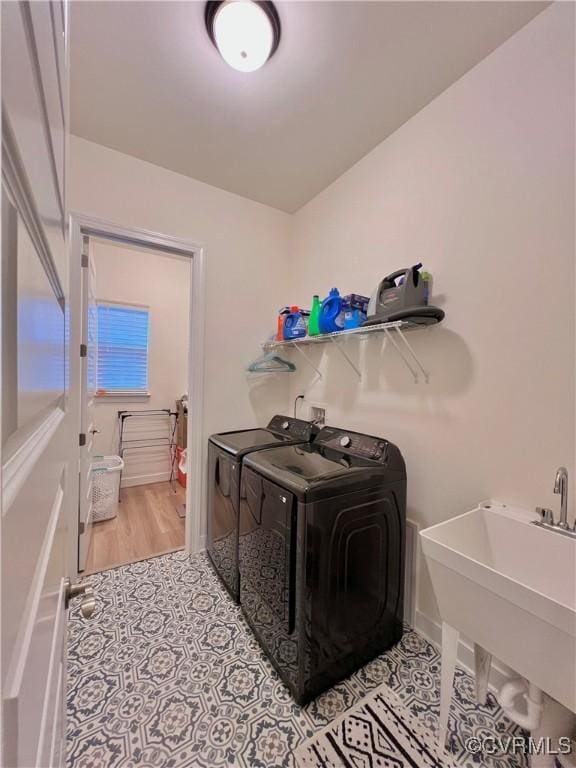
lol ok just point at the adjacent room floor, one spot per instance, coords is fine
(168, 674)
(148, 523)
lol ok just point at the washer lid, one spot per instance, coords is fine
(281, 430)
(300, 461)
(246, 440)
(303, 470)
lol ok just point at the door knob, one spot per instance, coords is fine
(88, 604)
(94, 431)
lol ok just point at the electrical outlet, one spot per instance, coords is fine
(318, 415)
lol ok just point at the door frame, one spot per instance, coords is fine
(81, 225)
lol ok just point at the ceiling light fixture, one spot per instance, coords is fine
(246, 32)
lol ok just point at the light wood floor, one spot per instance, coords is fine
(147, 524)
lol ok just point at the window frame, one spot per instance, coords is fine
(125, 393)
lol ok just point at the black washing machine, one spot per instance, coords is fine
(226, 452)
(321, 555)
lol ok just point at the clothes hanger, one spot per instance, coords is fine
(271, 363)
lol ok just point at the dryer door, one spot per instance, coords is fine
(354, 579)
(267, 553)
(223, 493)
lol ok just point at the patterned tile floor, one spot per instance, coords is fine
(168, 675)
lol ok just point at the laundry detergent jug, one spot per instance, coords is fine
(294, 324)
(332, 313)
(354, 306)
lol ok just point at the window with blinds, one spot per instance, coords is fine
(122, 349)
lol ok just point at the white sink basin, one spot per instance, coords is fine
(510, 587)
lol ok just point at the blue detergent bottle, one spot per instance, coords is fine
(332, 313)
(294, 324)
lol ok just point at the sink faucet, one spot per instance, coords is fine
(561, 487)
(546, 516)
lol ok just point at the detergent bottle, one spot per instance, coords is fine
(294, 324)
(331, 313)
(314, 322)
(354, 307)
(280, 328)
(427, 278)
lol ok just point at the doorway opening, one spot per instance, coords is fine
(136, 317)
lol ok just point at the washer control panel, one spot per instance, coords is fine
(353, 443)
(296, 429)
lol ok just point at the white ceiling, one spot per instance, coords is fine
(147, 81)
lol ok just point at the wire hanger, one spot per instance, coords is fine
(271, 363)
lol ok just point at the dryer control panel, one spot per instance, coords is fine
(295, 429)
(353, 444)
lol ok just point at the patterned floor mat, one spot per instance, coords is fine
(378, 732)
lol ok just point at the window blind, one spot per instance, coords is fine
(122, 348)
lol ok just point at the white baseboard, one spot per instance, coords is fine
(202, 545)
(432, 631)
(157, 477)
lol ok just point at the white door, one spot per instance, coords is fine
(38, 451)
(88, 377)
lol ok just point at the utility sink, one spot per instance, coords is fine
(510, 587)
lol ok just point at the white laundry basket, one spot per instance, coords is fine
(106, 472)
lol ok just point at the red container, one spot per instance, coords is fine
(181, 475)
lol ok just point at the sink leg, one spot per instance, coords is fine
(482, 664)
(556, 722)
(449, 654)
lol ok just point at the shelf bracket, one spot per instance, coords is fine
(310, 363)
(400, 342)
(347, 358)
(414, 355)
(390, 336)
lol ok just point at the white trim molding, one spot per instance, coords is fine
(197, 451)
(132, 480)
(18, 468)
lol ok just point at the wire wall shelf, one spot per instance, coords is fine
(395, 332)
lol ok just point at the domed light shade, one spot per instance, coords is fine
(246, 32)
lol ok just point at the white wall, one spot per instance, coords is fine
(247, 246)
(480, 187)
(162, 283)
